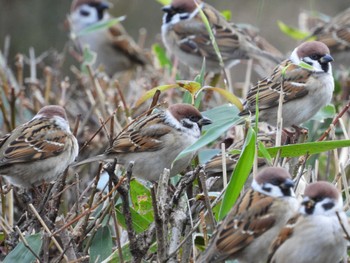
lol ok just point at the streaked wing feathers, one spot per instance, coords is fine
(39, 140)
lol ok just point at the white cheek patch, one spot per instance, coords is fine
(80, 21)
(267, 189)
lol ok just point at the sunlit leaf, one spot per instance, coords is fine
(292, 32)
(101, 245)
(100, 25)
(304, 65)
(164, 2)
(229, 96)
(227, 14)
(191, 86)
(22, 254)
(240, 174)
(149, 94)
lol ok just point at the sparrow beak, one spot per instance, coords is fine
(288, 183)
(326, 58)
(204, 121)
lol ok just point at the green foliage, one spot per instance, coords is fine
(227, 14)
(164, 2)
(22, 254)
(101, 245)
(161, 56)
(292, 32)
(100, 25)
(240, 174)
(296, 150)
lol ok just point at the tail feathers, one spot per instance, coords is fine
(96, 158)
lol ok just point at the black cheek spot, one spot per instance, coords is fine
(328, 206)
(186, 124)
(84, 13)
(267, 189)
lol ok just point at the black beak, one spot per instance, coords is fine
(288, 183)
(204, 121)
(326, 58)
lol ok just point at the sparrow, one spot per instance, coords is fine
(315, 233)
(335, 33)
(116, 50)
(249, 228)
(307, 85)
(153, 141)
(185, 37)
(38, 151)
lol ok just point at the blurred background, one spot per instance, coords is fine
(40, 23)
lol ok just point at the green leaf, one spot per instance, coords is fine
(304, 65)
(140, 223)
(141, 199)
(149, 94)
(101, 245)
(300, 149)
(160, 53)
(114, 257)
(327, 112)
(21, 254)
(227, 14)
(229, 96)
(265, 153)
(292, 32)
(221, 123)
(89, 58)
(211, 36)
(240, 174)
(100, 25)
(164, 2)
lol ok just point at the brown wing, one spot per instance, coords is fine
(284, 234)
(125, 44)
(243, 225)
(38, 140)
(293, 78)
(143, 135)
(4, 138)
(194, 38)
(336, 33)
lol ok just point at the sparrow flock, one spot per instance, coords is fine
(267, 224)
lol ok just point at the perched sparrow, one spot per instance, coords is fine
(185, 36)
(153, 141)
(116, 50)
(336, 33)
(315, 234)
(248, 230)
(307, 86)
(39, 150)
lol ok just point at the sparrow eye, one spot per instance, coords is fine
(314, 57)
(84, 12)
(194, 118)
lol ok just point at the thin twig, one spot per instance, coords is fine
(48, 231)
(25, 243)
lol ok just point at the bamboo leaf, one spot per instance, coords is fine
(240, 174)
(22, 254)
(101, 245)
(300, 149)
